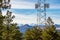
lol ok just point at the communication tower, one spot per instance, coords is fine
(41, 7)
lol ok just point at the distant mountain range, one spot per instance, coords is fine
(57, 25)
(23, 28)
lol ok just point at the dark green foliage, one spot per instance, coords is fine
(1, 25)
(50, 33)
(0, 0)
(8, 30)
(17, 36)
(33, 34)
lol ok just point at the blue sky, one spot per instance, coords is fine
(25, 12)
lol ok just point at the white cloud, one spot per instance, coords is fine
(22, 4)
(54, 6)
(28, 19)
(56, 21)
(24, 19)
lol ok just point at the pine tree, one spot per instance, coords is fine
(1, 25)
(8, 30)
(49, 32)
(4, 4)
(33, 34)
(11, 28)
(49, 21)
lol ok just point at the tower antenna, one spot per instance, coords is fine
(41, 7)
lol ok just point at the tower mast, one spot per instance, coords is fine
(41, 7)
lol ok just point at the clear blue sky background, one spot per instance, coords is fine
(25, 11)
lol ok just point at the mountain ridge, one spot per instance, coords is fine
(24, 27)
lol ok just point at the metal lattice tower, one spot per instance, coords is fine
(41, 6)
